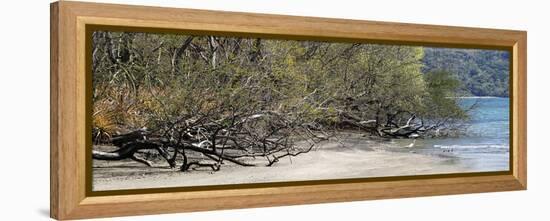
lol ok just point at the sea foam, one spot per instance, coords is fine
(475, 146)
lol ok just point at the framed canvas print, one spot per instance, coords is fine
(158, 110)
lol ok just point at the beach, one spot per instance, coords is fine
(352, 157)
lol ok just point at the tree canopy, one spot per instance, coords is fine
(482, 72)
(236, 99)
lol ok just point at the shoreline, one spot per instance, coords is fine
(479, 97)
(330, 160)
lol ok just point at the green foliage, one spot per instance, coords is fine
(146, 80)
(482, 72)
(441, 102)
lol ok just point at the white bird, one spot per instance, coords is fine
(412, 144)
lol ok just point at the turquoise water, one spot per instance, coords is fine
(485, 147)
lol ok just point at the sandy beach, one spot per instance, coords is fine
(330, 160)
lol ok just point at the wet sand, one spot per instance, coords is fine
(330, 160)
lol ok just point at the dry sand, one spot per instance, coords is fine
(328, 161)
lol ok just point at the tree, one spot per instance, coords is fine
(203, 101)
(483, 72)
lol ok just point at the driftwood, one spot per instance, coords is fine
(392, 128)
(241, 143)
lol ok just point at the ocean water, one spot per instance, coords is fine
(485, 147)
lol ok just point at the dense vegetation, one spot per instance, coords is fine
(482, 72)
(237, 99)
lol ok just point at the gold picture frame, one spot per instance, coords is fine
(71, 196)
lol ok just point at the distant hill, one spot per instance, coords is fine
(482, 72)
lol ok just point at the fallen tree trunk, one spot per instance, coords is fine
(126, 151)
